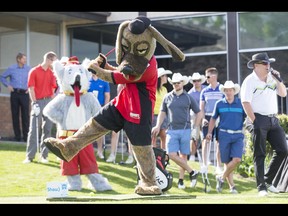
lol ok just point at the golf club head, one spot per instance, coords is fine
(121, 163)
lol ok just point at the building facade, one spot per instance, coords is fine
(225, 40)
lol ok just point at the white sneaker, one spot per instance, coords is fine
(181, 186)
(26, 161)
(129, 160)
(204, 169)
(100, 155)
(233, 190)
(272, 189)
(111, 158)
(192, 158)
(193, 178)
(219, 170)
(263, 193)
(44, 160)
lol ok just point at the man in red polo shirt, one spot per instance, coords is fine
(41, 86)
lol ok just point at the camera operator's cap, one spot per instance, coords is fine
(230, 84)
(260, 57)
(161, 71)
(177, 77)
(197, 76)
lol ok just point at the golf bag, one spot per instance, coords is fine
(164, 179)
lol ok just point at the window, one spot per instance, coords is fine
(12, 41)
(263, 29)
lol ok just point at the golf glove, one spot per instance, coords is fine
(205, 123)
(249, 126)
(36, 109)
(196, 133)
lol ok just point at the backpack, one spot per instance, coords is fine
(164, 179)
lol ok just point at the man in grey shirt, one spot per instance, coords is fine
(176, 105)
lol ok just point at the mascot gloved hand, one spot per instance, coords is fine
(70, 109)
(101, 60)
(132, 109)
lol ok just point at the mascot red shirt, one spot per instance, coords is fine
(137, 100)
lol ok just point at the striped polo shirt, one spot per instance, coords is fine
(231, 115)
(210, 96)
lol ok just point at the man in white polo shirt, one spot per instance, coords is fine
(259, 92)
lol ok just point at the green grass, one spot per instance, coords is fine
(26, 183)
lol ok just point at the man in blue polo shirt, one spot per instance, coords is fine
(15, 78)
(230, 136)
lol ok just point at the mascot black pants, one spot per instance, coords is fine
(110, 118)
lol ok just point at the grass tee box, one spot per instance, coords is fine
(27, 184)
(121, 197)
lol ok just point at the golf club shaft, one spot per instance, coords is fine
(37, 134)
(108, 53)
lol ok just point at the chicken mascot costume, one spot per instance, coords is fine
(132, 109)
(70, 109)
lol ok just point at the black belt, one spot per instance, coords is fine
(44, 98)
(21, 91)
(270, 115)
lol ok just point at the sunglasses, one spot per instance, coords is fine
(208, 77)
(196, 80)
(263, 63)
(174, 83)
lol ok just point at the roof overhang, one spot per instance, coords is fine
(68, 17)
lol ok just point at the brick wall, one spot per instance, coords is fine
(6, 127)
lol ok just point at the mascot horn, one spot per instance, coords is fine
(132, 108)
